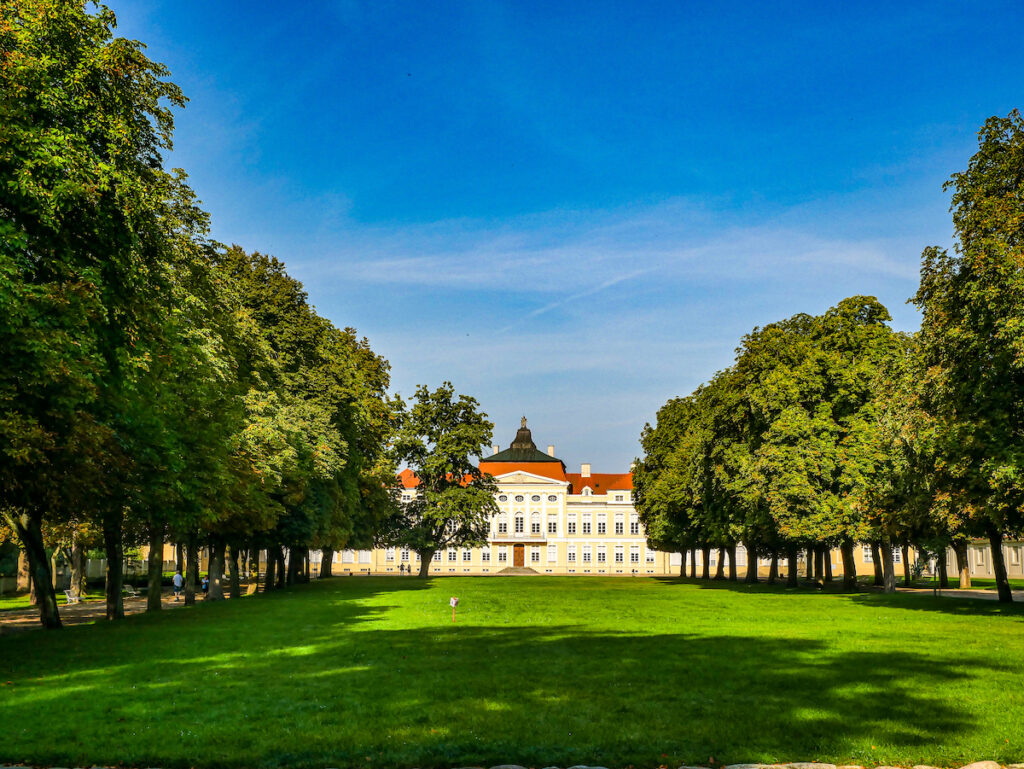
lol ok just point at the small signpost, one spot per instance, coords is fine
(454, 602)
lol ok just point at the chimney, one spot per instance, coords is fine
(585, 469)
(551, 451)
(496, 449)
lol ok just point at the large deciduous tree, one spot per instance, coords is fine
(972, 340)
(440, 440)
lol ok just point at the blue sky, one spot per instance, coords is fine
(574, 211)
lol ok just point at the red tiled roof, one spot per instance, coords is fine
(553, 470)
(408, 479)
(600, 483)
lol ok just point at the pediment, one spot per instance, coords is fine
(519, 477)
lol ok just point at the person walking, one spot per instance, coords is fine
(178, 581)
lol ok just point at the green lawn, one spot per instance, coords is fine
(538, 671)
(15, 601)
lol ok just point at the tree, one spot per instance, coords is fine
(972, 345)
(438, 439)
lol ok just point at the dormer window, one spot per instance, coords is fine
(586, 492)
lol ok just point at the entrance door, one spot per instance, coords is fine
(518, 558)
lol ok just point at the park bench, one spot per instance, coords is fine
(130, 591)
(72, 598)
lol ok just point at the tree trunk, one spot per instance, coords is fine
(791, 576)
(215, 591)
(294, 559)
(888, 568)
(705, 567)
(191, 568)
(876, 559)
(24, 572)
(962, 564)
(179, 557)
(282, 572)
(849, 566)
(235, 584)
(731, 550)
(270, 578)
(29, 529)
(693, 563)
(827, 556)
(810, 564)
(819, 564)
(155, 588)
(425, 563)
(113, 546)
(905, 551)
(77, 566)
(773, 570)
(751, 577)
(995, 538)
(943, 570)
(720, 564)
(326, 563)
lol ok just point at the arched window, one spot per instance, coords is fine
(519, 524)
(503, 523)
(535, 523)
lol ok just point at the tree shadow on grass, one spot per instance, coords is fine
(321, 685)
(864, 595)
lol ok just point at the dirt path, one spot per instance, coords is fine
(76, 614)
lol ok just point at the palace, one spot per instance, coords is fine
(549, 522)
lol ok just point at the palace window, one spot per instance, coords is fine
(586, 554)
(619, 555)
(866, 555)
(618, 497)
(552, 498)
(406, 497)
(503, 524)
(601, 555)
(620, 524)
(485, 556)
(535, 555)
(348, 556)
(364, 556)
(570, 525)
(602, 525)
(535, 498)
(452, 555)
(650, 556)
(519, 497)
(897, 556)
(586, 523)
(571, 554)
(552, 553)
(467, 555)
(552, 524)
(634, 524)
(405, 554)
(503, 497)
(634, 554)
(389, 554)
(503, 555)
(519, 524)
(535, 523)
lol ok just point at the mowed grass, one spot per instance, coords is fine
(372, 672)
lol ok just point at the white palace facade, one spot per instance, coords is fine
(549, 522)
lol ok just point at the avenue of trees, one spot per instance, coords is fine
(156, 386)
(833, 430)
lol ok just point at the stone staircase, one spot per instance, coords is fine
(518, 571)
